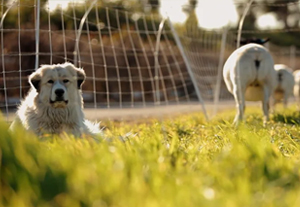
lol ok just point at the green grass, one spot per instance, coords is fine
(181, 162)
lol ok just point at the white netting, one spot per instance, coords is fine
(207, 50)
(203, 49)
(115, 47)
(117, 50)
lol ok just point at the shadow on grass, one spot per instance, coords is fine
(293, 118)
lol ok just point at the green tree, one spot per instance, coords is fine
(191, 24)
(251, 17)
(24, 13)
(286, 11)
(148, 6)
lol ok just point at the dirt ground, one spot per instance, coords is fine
(129, 114)
(134, 114)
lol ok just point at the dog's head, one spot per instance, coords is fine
(58, 85)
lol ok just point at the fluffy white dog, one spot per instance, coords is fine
(250, 76)
(285, 85)
(54, 104)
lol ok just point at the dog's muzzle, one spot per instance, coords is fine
(59, 101)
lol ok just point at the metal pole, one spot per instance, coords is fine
(219, 75)
(156, 76)
(178, 42)
(2, 57)
(238, 39)
(76, 51)
(238, 45)
(37, 34)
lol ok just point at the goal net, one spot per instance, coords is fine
(131, 59)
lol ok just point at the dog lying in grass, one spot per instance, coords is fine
(54, 103)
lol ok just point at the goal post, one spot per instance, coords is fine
(130, 59)
(186, 61)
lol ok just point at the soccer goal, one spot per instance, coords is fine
(131, 59)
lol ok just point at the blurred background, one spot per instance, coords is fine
(139, 53)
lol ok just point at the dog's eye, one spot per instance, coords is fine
(65, 80)
(50, 81)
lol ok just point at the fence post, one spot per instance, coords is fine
(156, 76)
(189, 69)
(238, 45)
(219, 75)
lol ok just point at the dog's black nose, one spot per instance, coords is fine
(59, 92)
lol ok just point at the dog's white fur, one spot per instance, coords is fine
(296, 74)
(252, 67)
(285, 85)
(54, 104)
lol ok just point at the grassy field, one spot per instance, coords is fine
(181, 162)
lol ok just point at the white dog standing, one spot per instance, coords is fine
(54, 103)
(296, 74)
(285, 85)
(250, 76)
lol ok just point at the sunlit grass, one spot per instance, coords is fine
(184, 161)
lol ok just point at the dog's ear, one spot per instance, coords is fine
(80, 77)
(35, 80)
(265, 40)
(243, 42)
